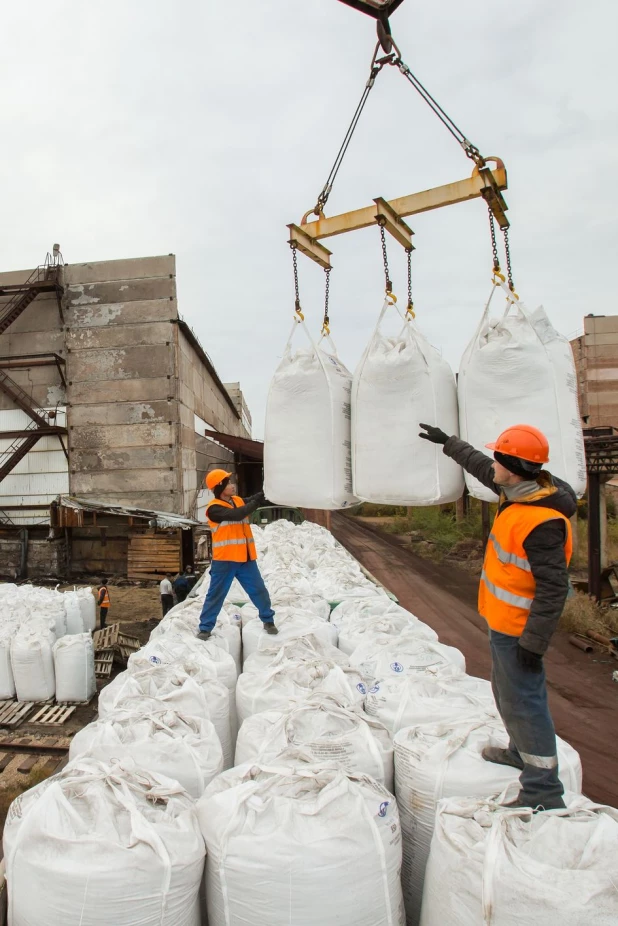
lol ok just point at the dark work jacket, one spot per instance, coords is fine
(544, 545)
(218, 513)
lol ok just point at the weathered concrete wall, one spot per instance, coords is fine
(124, 434)
(596, 361)
(46, 558)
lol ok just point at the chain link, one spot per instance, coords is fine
(494, 244)
(509, 269)
(410, 309)
(389, 285)
(297, 307)
(326, 324)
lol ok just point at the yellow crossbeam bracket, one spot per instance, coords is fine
(309, 246)
(386, 216)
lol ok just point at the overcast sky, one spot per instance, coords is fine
(139, 127)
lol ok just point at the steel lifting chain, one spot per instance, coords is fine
(326, 324)
(297, 307)
(410, 310)
(509, 269)
(389, 285)
(494, 243)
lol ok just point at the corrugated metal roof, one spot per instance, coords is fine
(249, 448)
(163, 518)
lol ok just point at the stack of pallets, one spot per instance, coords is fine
(112, 645)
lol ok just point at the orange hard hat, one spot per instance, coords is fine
(215, 476)
(523, 441)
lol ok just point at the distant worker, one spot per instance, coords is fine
(524, 585)
(191, 578)
(103, 602)
(167, 593)
(180, 586)
(233, 553)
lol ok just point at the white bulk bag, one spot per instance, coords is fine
(439, 760)
(508, 868)
(100, 844)
(273, 690)
(353, 610)
(291, 624)
(75, 621)
(226, 633)
(307, 847)
(520, 370)
(74, 668)
(179, 746)
(399, 382)
(7, 682)
(317, 607)
(88, 608)
(57, 617)
(32, 661)
(399, 703)
(388, 627)
(331, 733)
(306, 648)
(307, 456)
(382, 657)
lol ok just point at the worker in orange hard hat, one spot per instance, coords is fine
(233, 553)
(524, 585)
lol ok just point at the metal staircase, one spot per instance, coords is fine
(47, 278)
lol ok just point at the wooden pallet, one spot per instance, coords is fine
(12, 713)
(53, 715)
(104, 663)
(111, 637)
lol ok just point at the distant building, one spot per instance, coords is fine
(596, 362)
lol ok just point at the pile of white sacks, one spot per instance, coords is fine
(298, 779)
(46, 648)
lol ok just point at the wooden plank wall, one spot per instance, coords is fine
(150, 555)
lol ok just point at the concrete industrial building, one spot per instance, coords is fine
(105, 391)
(596, 362)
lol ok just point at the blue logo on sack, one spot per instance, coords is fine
(361, 688)
(383, 808)
(396, 667)
(374, 690)
(155, 660)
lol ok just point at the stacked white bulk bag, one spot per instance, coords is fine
(338, 583)
(96, 843)
(302, 846)
(88, 608)
(183, 747)
(328, 731)
(73, 610)
(306, 648)
(7, 682)
(313, 605)
(520, 370)
(351, 611)
(415, 699)
(439, 760)
(226, 633)
(386, 628)
(74, 668)
(383, 656)
(291, 624)
(273, 690)
(32, 661)
(510, 867)
(307, 449)
(399, 382)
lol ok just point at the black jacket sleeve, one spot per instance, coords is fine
(473, 461)
(544, 548)
(219, 513)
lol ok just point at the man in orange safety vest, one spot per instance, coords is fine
(233, 553)
(524, 585)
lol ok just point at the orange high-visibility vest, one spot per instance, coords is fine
(105, 602)
(507, 586)
(232, 541)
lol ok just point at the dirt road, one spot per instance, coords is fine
(583, 697)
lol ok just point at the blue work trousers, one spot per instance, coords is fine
(222, 574)
(521, 698)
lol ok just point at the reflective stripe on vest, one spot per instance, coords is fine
(507, 587)
(227, 543)
(232, 540)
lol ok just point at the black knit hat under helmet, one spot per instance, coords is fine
(517, 466)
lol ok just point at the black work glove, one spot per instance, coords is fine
(528, 661)
(435, 435)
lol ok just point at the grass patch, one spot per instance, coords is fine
(439, 526)
(582, 613)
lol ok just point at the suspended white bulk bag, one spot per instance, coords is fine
(273, 690)
(306, 648)
(307, 455)
(99, 844)
(387, 628)
(520, 370)
(7, 682)
(32, 661)
(73, 610)
(383, 657)
(317, 607)
(74, 668)
(415, 699)
(183, 747)
(307, 847)
(330, 732)
(508, 867)
(439, 760)
(400, 381)
(88, 608)
(291, 624)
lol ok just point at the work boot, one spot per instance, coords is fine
(270, 628)
(501, 757)
(204, 635)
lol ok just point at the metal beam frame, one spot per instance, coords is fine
(484, 183)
